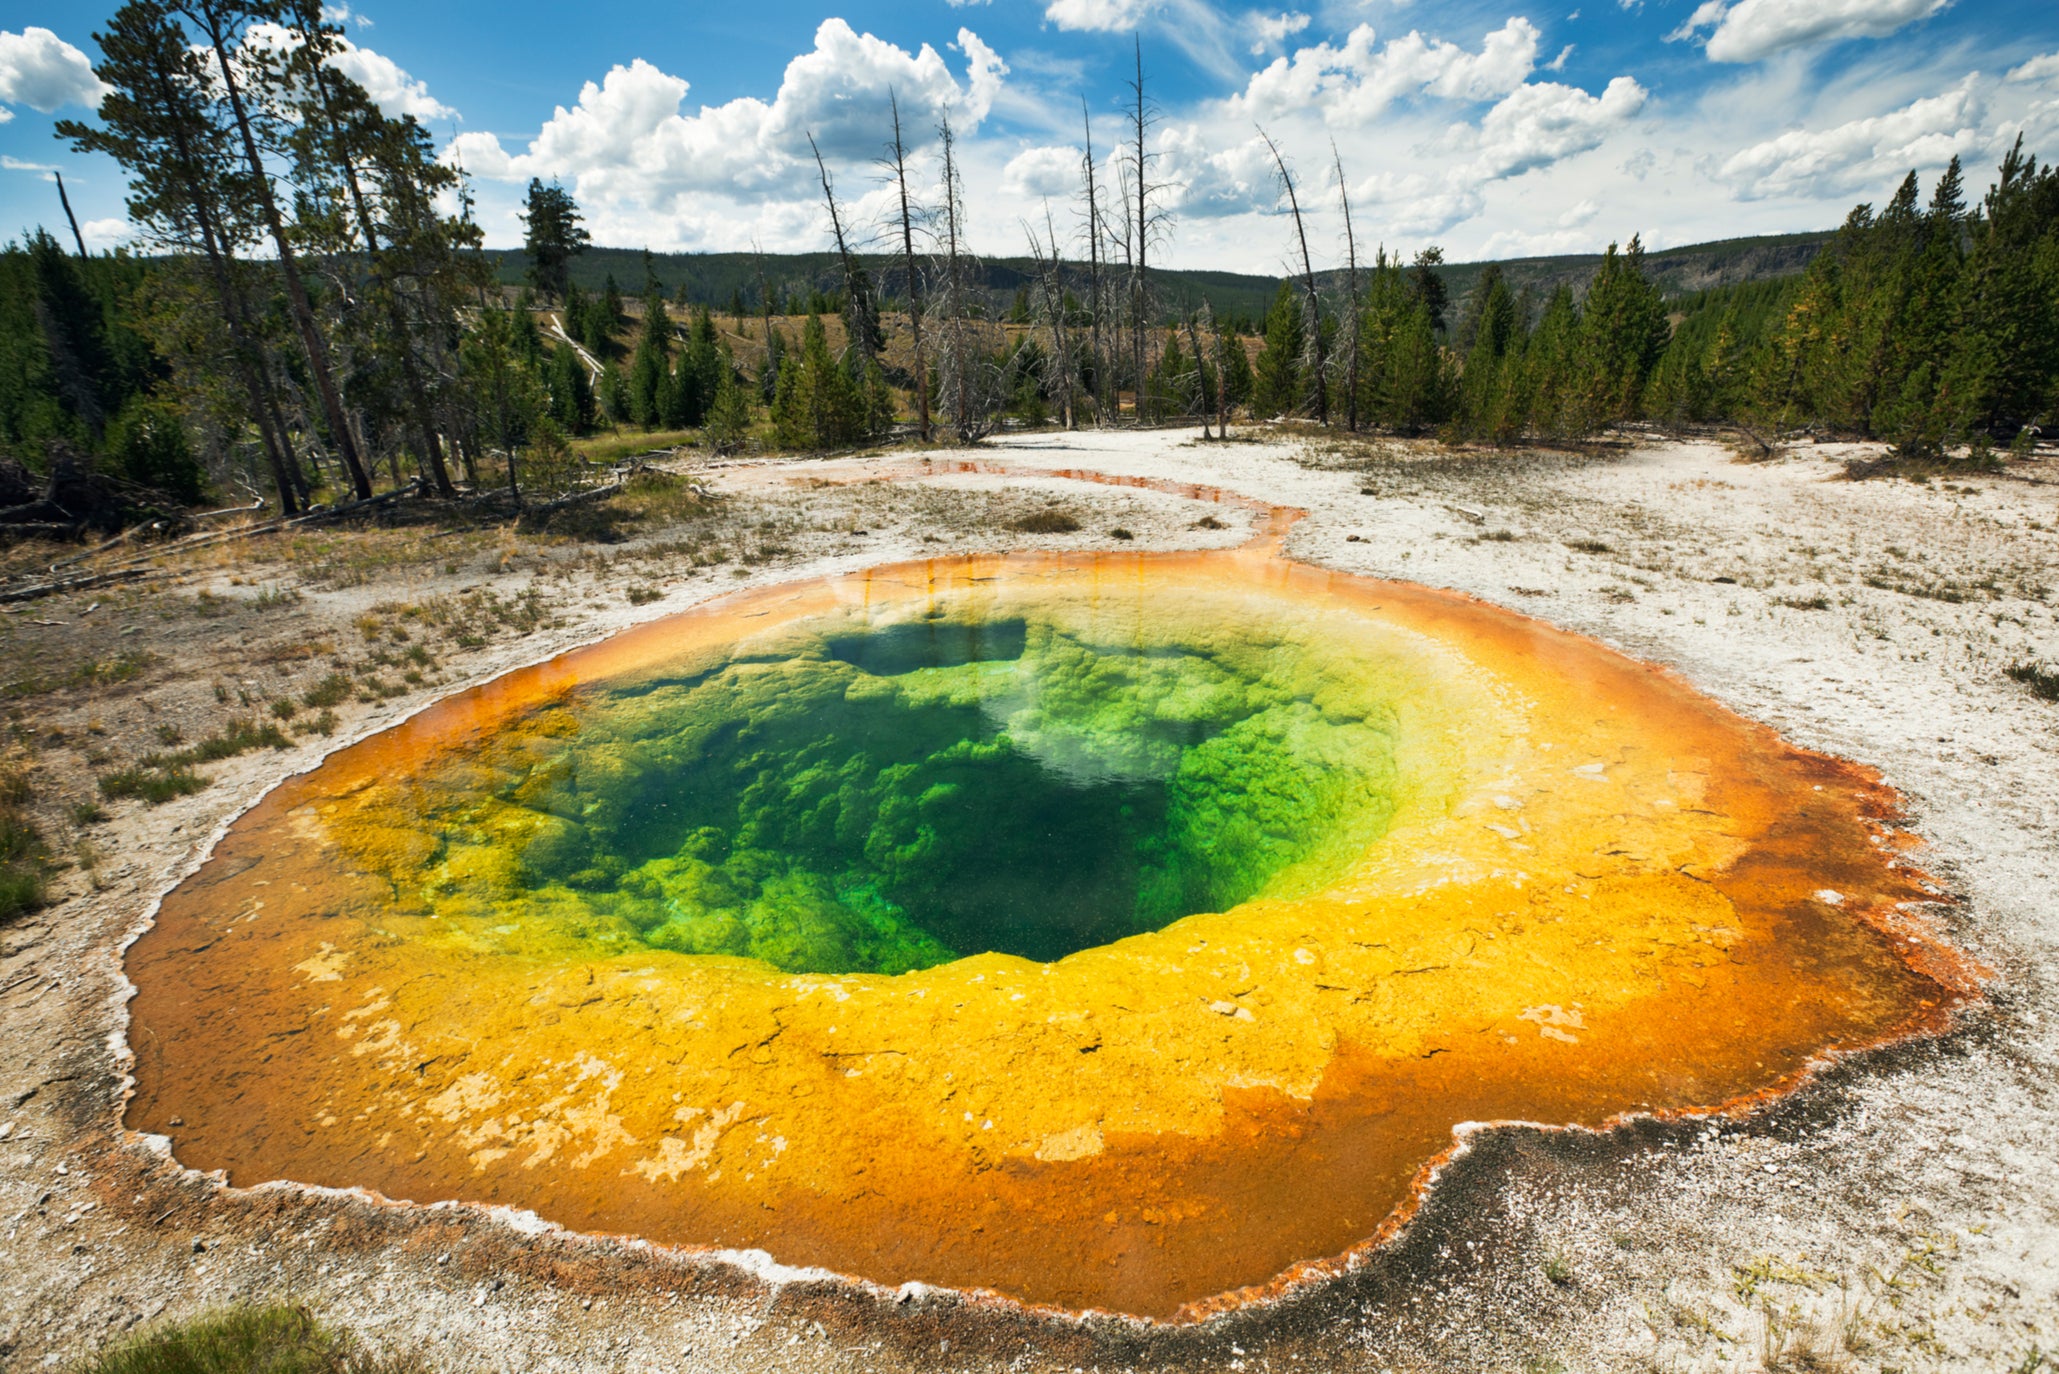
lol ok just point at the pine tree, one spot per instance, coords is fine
(2005, 363)
(816, 405)
(882, 410)
(162, 122)
(1277, 386)
(572, 402)
(1622, 332)
(552, 235)
(700, 371)
(614, 396)
(1487, 332)
(650, 369)
(775, 363)
(1538, 401)
(1426, 285)
(729, 415)
(74, 329)
(1237, 379)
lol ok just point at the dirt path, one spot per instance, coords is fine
(1900, 1213)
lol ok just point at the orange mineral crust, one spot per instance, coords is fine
(1555, 885)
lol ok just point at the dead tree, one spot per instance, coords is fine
(958, 364)
(1048, 273)
(1314, 304)
(1222, 373)
(1200, 374)
(1147, 222)
(898, 155)
(1357, 322)
(1125, 239)
(1097, 355)
(859, 322)
(70, 218)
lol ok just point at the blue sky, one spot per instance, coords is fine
(1492, 127)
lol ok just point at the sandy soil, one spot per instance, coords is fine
(1902, 1212)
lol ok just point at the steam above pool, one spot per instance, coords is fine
(1114, 931)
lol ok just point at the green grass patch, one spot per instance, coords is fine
(158, 778)
(239, 736)
(248, 1340)
(628, 443)
(22, 856)
(153, 786)
(123, 667)
(332, 690)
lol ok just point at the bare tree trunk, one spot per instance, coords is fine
(1315, 307)
(857, 305)
(961, 365)
(1054, 306)
(1200, 375)
(1140, 123)
(72, 219)
(1121, 347)
(1357, 319)
(1097, 355)
(209, 16)
(1222, 374)
(900, 158)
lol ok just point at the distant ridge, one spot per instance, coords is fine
(716, 278)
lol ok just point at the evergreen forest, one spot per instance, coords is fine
(311, 316)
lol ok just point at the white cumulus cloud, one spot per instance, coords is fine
(1099, 16)
(1036, 173)
(107, 233)
(1862, 154)
(1353, 82)
(1271, 30)
(2043, 68)
(42, 71)
(637, 159)
(1537, 125)
(384, 80)
(1752, 30)
(390, 87)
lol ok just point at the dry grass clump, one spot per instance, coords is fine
(1052, 520)
(245, 1340)
(2042, 681)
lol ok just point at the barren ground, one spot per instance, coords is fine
(1900, 1213)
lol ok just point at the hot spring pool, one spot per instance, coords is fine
(1116, 931)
